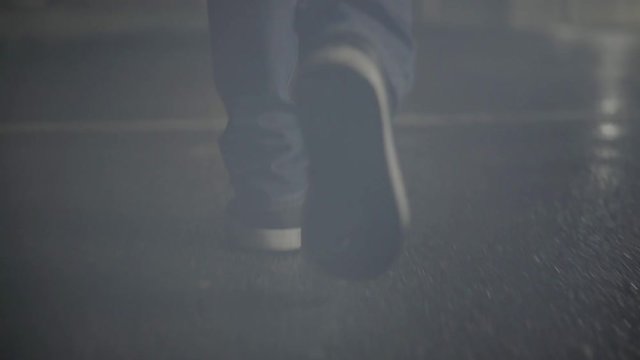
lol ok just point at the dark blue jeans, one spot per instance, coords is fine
(256, 47)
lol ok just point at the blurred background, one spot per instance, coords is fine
(149, 59)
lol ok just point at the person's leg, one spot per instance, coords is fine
(384, 27)
(357, 65)
(255, 54)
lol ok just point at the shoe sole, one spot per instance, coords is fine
(357, 210)
(265, 240)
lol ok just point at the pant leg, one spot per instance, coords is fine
(254, 54)
(384, 25)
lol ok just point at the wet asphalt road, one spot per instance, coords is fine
(525, 245)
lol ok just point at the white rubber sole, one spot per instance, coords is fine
(357, 211)
(362, 64)
(268, 240)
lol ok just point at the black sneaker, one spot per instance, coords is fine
(357, 210)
